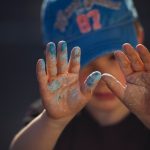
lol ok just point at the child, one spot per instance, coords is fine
(113, 88)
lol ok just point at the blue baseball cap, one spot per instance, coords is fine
(97, 26)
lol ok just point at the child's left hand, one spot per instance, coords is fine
(136, 68)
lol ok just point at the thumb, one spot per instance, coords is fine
(90, 83)
(114, 85)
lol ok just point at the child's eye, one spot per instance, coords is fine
(112, 57)
(92, 67)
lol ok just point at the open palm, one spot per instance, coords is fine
(59, 85)
(135, 64)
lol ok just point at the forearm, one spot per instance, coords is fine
(40, 134)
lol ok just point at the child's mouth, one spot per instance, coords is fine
(104, 96)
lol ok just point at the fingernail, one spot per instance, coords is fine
(125, 44)
(93, 78)
(42, 63)
(139, 46)
(117, 53)
(77, 54)
(63, 45)
(52, 49)
(77, 51)
(64, 54)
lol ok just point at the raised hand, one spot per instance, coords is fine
(135, 64)
(61, 93)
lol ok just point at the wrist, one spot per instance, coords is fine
(55, 123)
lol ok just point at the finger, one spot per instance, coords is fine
(74, 63)
(114, 85)
(41, 74)
(51, 60)
(124, 63)
(136, 62)
(62, 58)
(145, 56)
(90, 83)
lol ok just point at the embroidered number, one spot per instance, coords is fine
(95, 15)
(84, 23)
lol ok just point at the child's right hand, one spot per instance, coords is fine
(62, 95)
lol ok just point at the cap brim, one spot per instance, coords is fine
(104, 41)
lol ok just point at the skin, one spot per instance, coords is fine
(135, 65)
(128, 79)
(106, 111)
(130, 84)
(63, 82)
(57, 81)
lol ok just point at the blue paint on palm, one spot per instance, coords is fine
(54, 86)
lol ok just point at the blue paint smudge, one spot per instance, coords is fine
(77, 54)
(63, 46)
(77, 51)
(74, 93)
(54, 85)
(64, 57)
(52, 49)
(92, 78)
(42, 62)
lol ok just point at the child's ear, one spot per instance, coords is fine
(140, 32)
(140, 36)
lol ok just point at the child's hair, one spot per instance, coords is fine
(97, 26)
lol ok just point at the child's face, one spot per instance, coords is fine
(103, 99)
